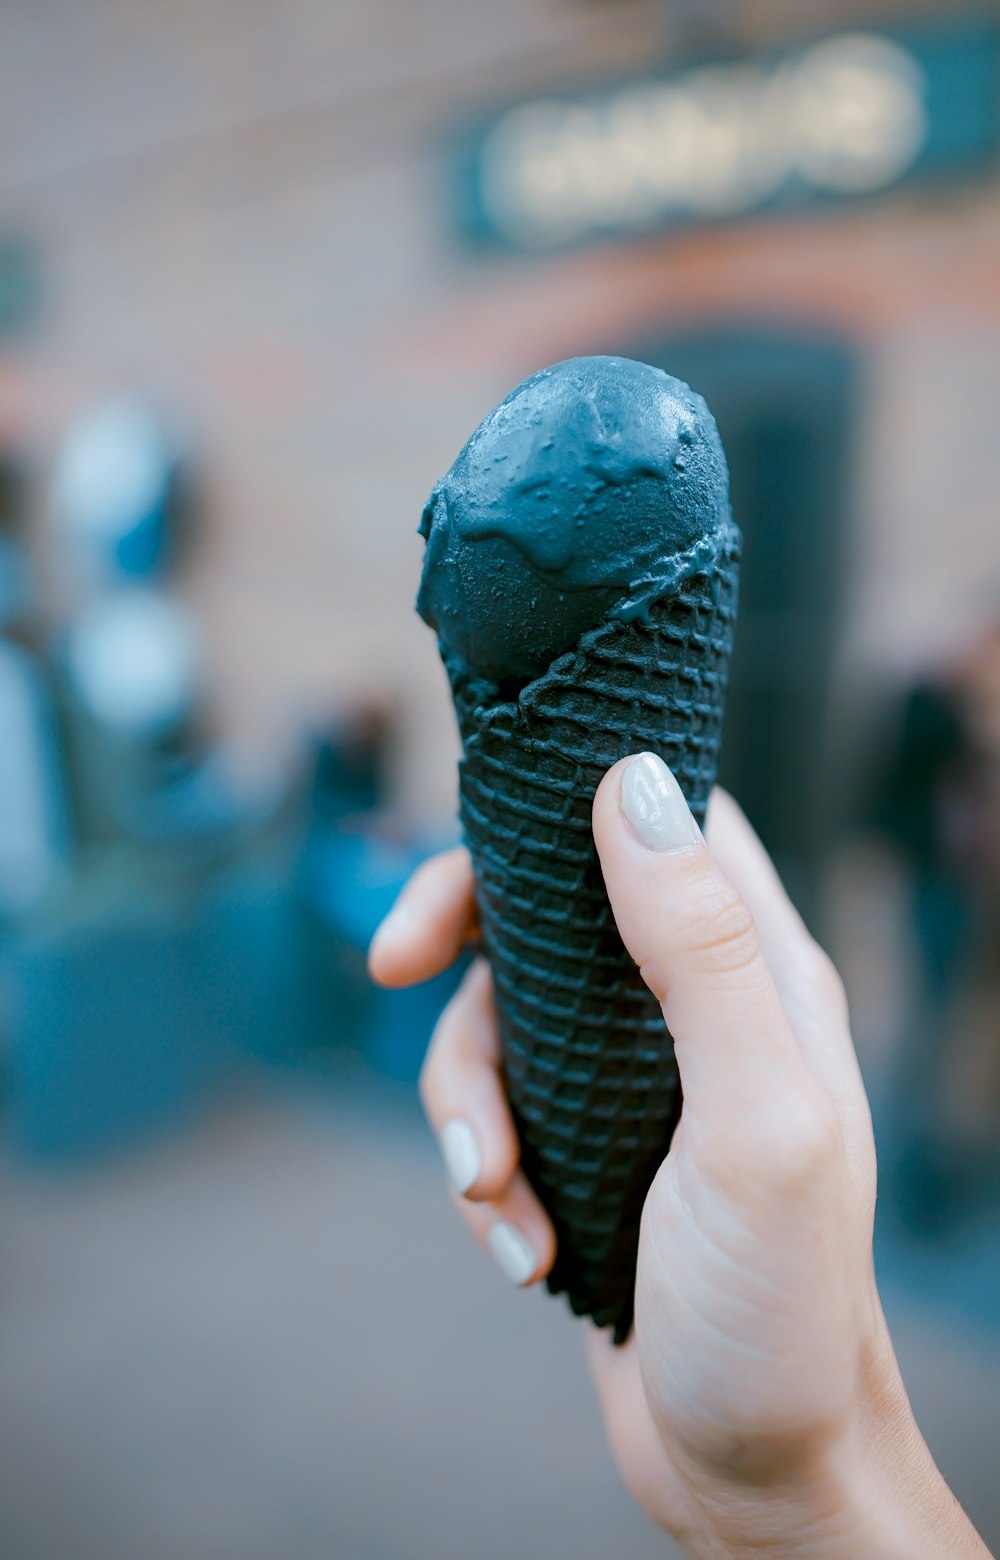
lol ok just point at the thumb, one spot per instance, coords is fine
(694, 941)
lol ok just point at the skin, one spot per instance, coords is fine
(757, 1409)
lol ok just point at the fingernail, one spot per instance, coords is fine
(512, 1253)
(460, 1150)
(654, 805)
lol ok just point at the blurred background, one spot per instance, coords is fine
(262, 270)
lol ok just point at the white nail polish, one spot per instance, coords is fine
(654, 805)
(460, 1150)
(512, 1253)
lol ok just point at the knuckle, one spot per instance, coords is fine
(830, 985)
(720, 934)
(817, 983)
(754, 1443)
(821, 974)
(805, 1146)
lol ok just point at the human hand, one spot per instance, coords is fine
(757, 1407)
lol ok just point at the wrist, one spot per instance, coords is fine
(871, 1489)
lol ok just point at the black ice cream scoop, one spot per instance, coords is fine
(579, 496)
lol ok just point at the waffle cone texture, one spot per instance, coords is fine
(589, 1067)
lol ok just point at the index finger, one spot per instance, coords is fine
(430, 923)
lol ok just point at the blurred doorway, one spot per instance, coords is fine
(785, 402)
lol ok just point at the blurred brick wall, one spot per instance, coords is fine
(240, 210)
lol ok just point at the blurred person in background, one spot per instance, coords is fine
(33, 805)
(938, 806)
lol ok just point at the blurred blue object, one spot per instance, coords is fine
(114, 484)
(133, 662)
(404, 1022)
(817, 123)
(160, 991)
(34, 831)
(21, 290)
(16, 592)
(118, 1026)
(354, 877)
(351, 879)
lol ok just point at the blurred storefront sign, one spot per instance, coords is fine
(847, 116)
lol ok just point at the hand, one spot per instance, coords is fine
(757, 1408)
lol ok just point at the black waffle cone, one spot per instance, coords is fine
(589, 1067)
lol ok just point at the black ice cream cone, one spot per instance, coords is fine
(589, 1067)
